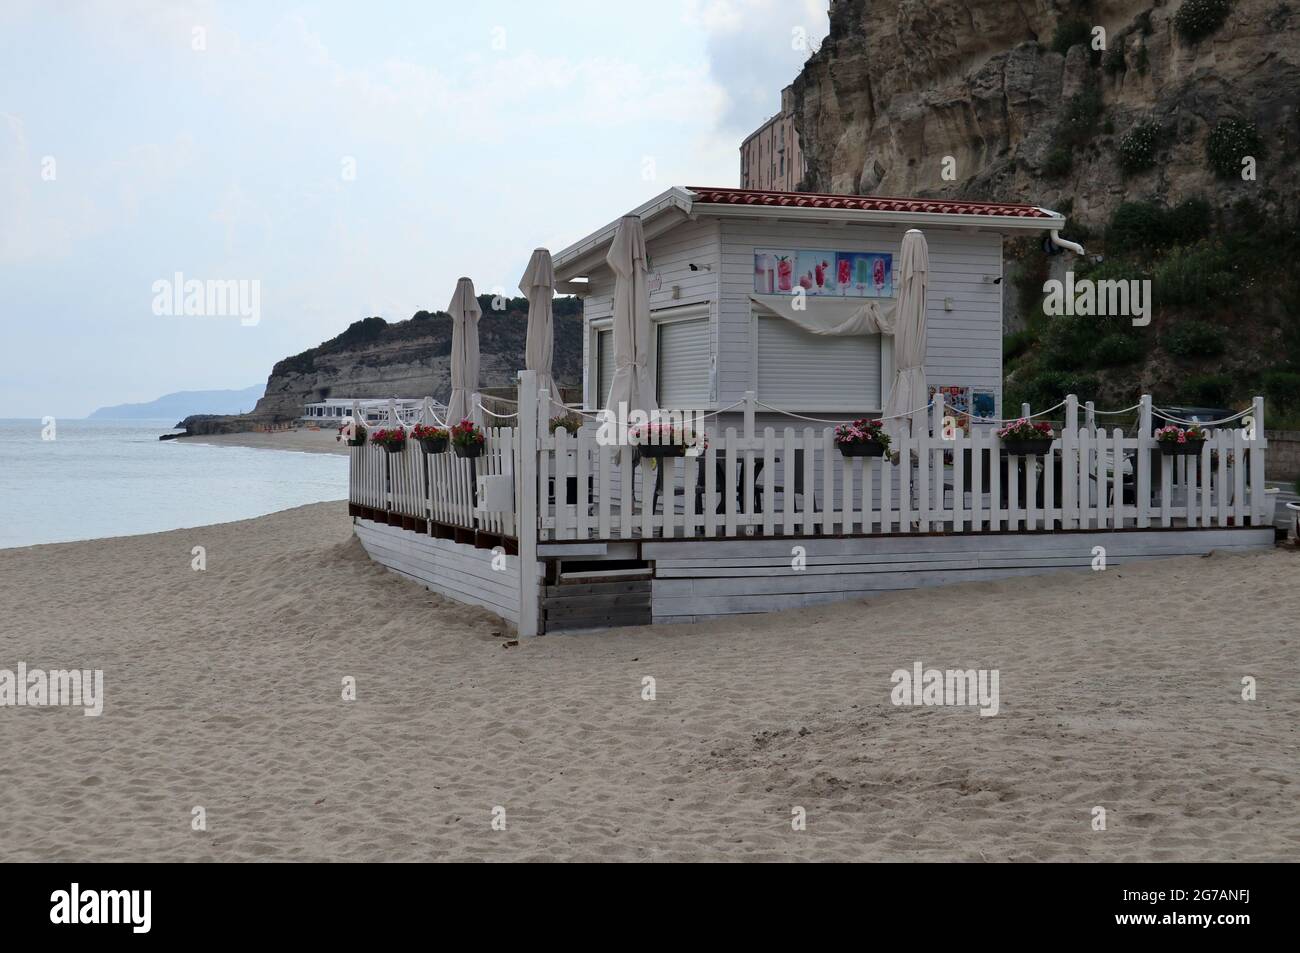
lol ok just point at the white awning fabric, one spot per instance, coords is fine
(833, 316)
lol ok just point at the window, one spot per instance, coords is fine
(683, 356)
(802, 371)
(604, 365)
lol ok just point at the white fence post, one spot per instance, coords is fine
(526, 506)
(1143, 474)
(1261, 502)
(1070, 463)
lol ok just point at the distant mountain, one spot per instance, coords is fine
(185, 403)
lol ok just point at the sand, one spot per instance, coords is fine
(309, 441)
(1118, 689)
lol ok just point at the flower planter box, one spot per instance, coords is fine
(357, 441)
(658, 451)
(468, 452)
(1027, 448)
(866, 448)
(1191, 447)
(397, 447)
(433, 444)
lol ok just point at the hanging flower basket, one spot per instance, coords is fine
(358, 438)
(862, 438)
(431, 439)
(570, 422)
(868, 449)
(657, 451)
(1025, 439)
(1177, 442)
(392, 439)
(659, 440)
(467, 440)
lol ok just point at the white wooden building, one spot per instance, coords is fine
(721, 325)
(554, 531)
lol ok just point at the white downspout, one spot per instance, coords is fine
(1060, 242)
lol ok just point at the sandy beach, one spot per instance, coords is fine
(307, 441)
(1119, 689)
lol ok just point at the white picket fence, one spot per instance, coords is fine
(438, 487)
(803, 485)
(795, 482)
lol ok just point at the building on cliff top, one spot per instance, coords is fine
(770, 158)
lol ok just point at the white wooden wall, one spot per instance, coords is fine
(696, 581)
(964, 345)
(671, 256)
(456, 570)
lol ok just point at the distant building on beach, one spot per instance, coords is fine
(334, 409)
(770, 158)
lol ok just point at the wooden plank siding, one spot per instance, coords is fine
(455, 570)
(695, 581)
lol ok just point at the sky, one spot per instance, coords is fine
(332, 161)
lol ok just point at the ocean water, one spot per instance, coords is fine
(100, 478)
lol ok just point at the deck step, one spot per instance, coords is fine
(596, 605)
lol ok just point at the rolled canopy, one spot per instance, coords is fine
(909, 391)
(538, 286)
(633, 381)
(465, 312)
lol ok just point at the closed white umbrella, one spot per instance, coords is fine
(465, 313)
(909, 391)
(633, 381)
(538, 284)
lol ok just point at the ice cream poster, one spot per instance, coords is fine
(823, 273)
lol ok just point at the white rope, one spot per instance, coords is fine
(1201, 423)
(994, 420)
(723, 410)
(907, 414)
(1109, 413)
(494, 413)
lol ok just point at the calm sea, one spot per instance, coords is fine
(102, 478)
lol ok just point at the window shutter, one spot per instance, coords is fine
(802, 371)
(684, 351)
(604, 365)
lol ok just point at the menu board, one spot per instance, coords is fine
(836, 274)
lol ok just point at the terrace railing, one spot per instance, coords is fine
(795, 482)
(428, 491)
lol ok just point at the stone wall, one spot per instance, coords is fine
(1283, 455)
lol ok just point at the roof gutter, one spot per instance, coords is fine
(872, 217)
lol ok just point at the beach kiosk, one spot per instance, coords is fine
(772, 318)
(739, 279)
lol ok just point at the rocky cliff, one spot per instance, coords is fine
(1015, 93)
(411, 358)
(1166, 131)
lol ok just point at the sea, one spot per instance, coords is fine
(101, 478)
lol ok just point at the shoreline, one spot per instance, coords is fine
(300, 440)
(222, 690)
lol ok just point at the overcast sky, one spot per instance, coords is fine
(353, 159)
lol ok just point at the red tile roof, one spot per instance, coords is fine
(866, 203)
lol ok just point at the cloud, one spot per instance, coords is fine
(755, 49)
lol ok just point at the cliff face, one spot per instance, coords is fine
(411, 358)
(1030, 116)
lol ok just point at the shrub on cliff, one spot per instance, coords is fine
(1148, 226)
(1137, 147)
(1193, 339)
(1196, 19)
(1281, 389)
(1229, 142)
